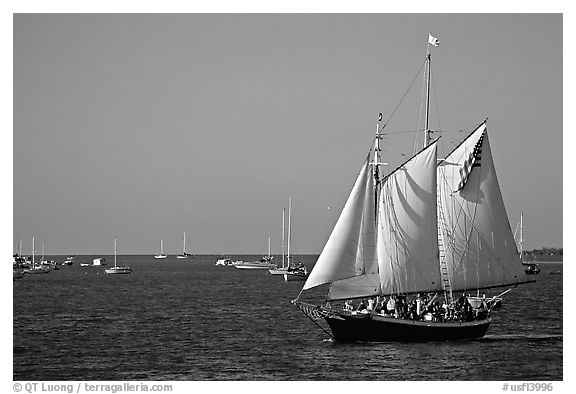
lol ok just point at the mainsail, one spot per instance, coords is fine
(407, 231)
(480, 251)
(397, 251)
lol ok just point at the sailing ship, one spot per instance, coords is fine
(429, 229)
(530, 268)
(184, 254)
(118, 269)
(263, 264)
(161, 255)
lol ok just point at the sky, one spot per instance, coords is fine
(143, 126)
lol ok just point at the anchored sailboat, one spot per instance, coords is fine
(161, 255)
(36, 269)
(296, 270)
(264, 263)
(530, 267)
(428, 230)
(281, 270)
(184, 254)
(118, 269)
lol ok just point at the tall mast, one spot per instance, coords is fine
(426, 125)
(33, 253)
(289, 215)
(521, 236)
(283, 238)
(114, 251)
(434, 42)
(268, 246)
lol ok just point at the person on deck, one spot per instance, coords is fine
(391, 305)
(348, 306)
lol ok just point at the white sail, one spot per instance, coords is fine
(343, 254)
(480, 250)
(407, 227)
(367, 282)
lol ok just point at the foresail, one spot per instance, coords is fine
(407, 227)
(347, 252)
(480, 250)
(366, 282)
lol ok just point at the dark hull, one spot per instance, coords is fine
(375, 328)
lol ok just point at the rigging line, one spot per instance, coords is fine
(403, 97)
(322, 328)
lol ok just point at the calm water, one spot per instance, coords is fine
(191, 320)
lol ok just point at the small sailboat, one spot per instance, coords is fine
(263, 264)
(429, 229)
(47, 264)
(161, 255)
(530, 267)
(184, 254)
(281, 270)
(118, 269)
(36, 269)
(296, 270)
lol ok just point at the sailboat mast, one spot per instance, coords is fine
(268, 246)
(33, 254)
(184, 244)
(114, 252)
(289, 227)
(283, 238)
(521, 236)
(375, 165)
(426, 125)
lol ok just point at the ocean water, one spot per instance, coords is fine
(191, 320)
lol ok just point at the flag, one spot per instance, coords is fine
(433, 40)
(473, 160)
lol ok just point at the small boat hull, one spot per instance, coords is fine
(365, 327)
(295, 276)
(118, 270)
(251, 267)
(277, 271)
(531, 269)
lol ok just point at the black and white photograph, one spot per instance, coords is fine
(286, 197)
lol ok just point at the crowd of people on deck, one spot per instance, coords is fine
(422, 307)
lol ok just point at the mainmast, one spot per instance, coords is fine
(426, 125)
(435, 42)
